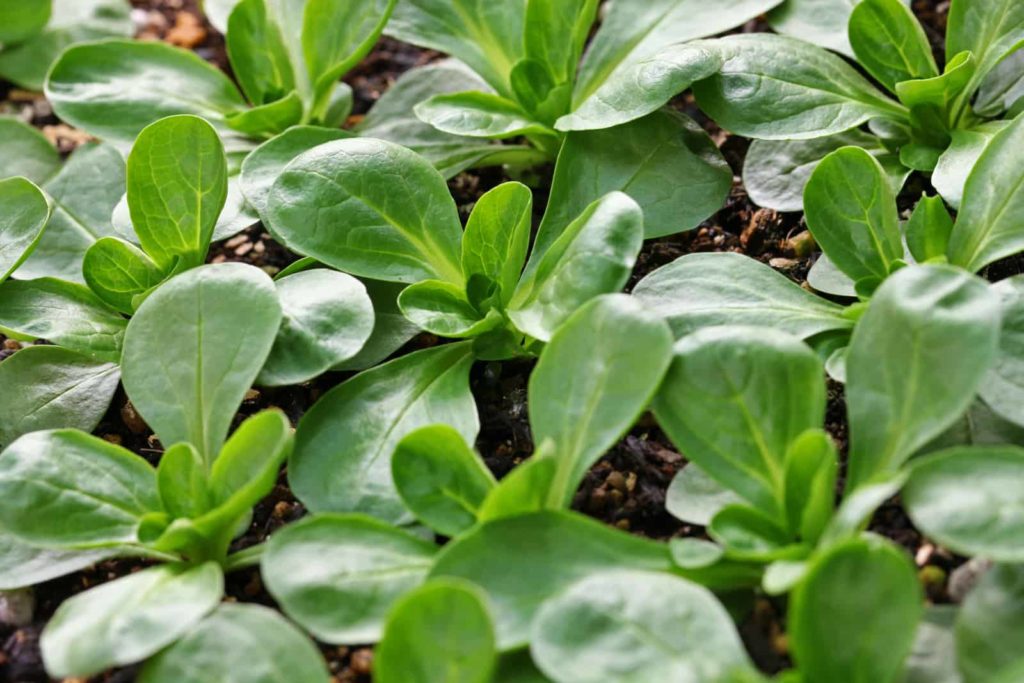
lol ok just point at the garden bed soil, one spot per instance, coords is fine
(625, 489)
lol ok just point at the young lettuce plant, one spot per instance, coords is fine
(70, 499)
(529, 52)
(800, 102)
(33, 33)
(377, 210)
(177, 184)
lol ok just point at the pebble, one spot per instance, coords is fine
(17, 607)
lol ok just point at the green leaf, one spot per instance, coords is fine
(488, 36)
(342, 459)
(859, 505)
(634, 626)
(821, 22)
(776, 88)
(440, 478)
(971, 500)
(247, 467)
(328, 317)
(987, 227)
(71, 21)
(336, 36)
(177, 185)
(518, 667)
(643, 87)
(695, 497)
(23, 19)
(67, 490)
(851, 212)
(811, 470)
(258, 53)
(758, 390)
(702, 290)
(928, 229)
(585, 402)
(957, 162)
(113, 89)
(339, 575)
(479, 115)
(264, 164)
(642, 159)
(23, 565)
(890, 43)
(49, 387)
(84, 193)
(863, 593)
(118, 272)
(442, 308)
(195, 347)
(129, 619)
(776, 171)
(392, 119)
(746, 533)
(918, 317)
(931, 99)
(1002, 88)
(243, 643)
(24, 213)
(564, 548)
(438, 632)
(825, 277)
(989, 636)
(1003, 386)
(267, 119)
(183, 482)
(391, 329)
(989, 29)
(933, 659)
(633, 32)
(24, 150)
(67, 314)
(525, 489)
(497, 237)
(342, 203)
(594, 255)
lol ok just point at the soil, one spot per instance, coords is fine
(626, 489)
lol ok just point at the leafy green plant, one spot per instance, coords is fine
(71, 499)
(35, 32)
(177, 184)
(800, 102)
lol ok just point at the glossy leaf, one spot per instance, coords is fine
(644, 159)
(734, 432)
(776, 88)
(585, 402)
(851, 212)
(177, 185)
(982, 517)
(259, 55)
(821, 22)
(49, 387)
(989, 30)
(185, 380)
(568, 546)
(339, 575)
(525, 489)
(67, 314)
(442, 308)
(327, 319)
(594, 255)
(342, 459)
(23, 565)
(439, 632)
(391, 329)
(695, 497)
(889, 42)
(479, 114)
(956, 163)
(863, 593)
(24, 150)
(114, 89)
(24, 213)
(126, 620)
(703, 290)
(239, 643)
(633, 626)
(987, 226)
(928, 229)
(118, 272)
(338, 203)
(919, 316)
(67, 490)
(497, 237)
(1002, 88)
(989, 636)
(440, 478)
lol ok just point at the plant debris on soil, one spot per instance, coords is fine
(625, 489)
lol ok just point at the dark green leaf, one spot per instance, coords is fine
(118, 272)
(990, 627)
(497, 237)
(479, 115)
(890, 43)
(928, 229)
(442, 308)
(24, 213)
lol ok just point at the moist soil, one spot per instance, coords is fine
(625, 489)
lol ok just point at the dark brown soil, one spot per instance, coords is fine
(625, 489)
